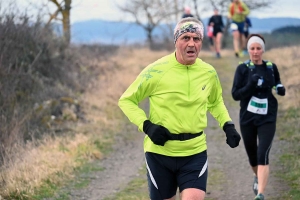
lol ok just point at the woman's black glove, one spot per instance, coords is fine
(157, 133)
(252, 83)
(233, 137)
(254, 78)
(280, 90)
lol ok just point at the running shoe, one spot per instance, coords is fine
(241, 54)
(236, 54)
(259, 197)
(255, 185)
(218, 55)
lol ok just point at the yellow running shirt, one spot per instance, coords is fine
(179, 96)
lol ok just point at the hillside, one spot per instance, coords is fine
(113, 32)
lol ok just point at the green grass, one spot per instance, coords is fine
(46, 190)
(137, 189)
(80, 180)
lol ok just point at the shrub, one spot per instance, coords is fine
(35, 67)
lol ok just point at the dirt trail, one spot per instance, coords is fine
(232, 177)
(120, 167)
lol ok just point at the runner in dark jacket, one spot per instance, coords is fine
(187, 12)
(217, 22)
(252, 86)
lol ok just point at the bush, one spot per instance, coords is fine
(35, 67)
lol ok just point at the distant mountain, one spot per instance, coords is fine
(113, 32)
(267, 25)
(287, 30)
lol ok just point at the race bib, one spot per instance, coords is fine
(258, 106)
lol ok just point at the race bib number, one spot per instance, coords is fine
(258, 106)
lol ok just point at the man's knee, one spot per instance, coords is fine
(192, 194)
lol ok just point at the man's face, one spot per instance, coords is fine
(188, 47)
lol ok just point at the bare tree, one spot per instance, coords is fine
(63, 8)
(150, 13)
(170, 22)
(196, 10)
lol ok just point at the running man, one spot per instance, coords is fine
(181, 89)
(217, 22)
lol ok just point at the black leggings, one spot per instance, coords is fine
(258, 155)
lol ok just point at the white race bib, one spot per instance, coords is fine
(258, 106)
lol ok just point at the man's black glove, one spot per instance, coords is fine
(233, 137)
(157, 133)
(280, 90)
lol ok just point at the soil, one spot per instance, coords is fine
(234, 177)
(120, 167)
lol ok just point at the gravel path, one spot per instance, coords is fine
(120, 167)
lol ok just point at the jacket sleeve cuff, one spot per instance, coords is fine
(140, 126)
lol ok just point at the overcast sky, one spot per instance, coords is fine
(107, 9)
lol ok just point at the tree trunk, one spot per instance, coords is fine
(150, 38)
(66, 26)
(176, 10)
(66, 21)
(196, 11)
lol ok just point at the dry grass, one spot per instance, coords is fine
(118, 72)
(128, 60)
(24, 172)
(288, 62)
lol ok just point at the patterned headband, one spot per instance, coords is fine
(191, 27)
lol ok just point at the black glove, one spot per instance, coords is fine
(157, 133)
(254, 79)
(280, 90)
(233, 137)
(252, 83)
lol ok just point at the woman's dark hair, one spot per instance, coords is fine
(258, 35)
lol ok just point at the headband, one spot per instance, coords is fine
(189, 26)
(256, 39)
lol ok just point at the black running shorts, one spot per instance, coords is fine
(166, 174)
